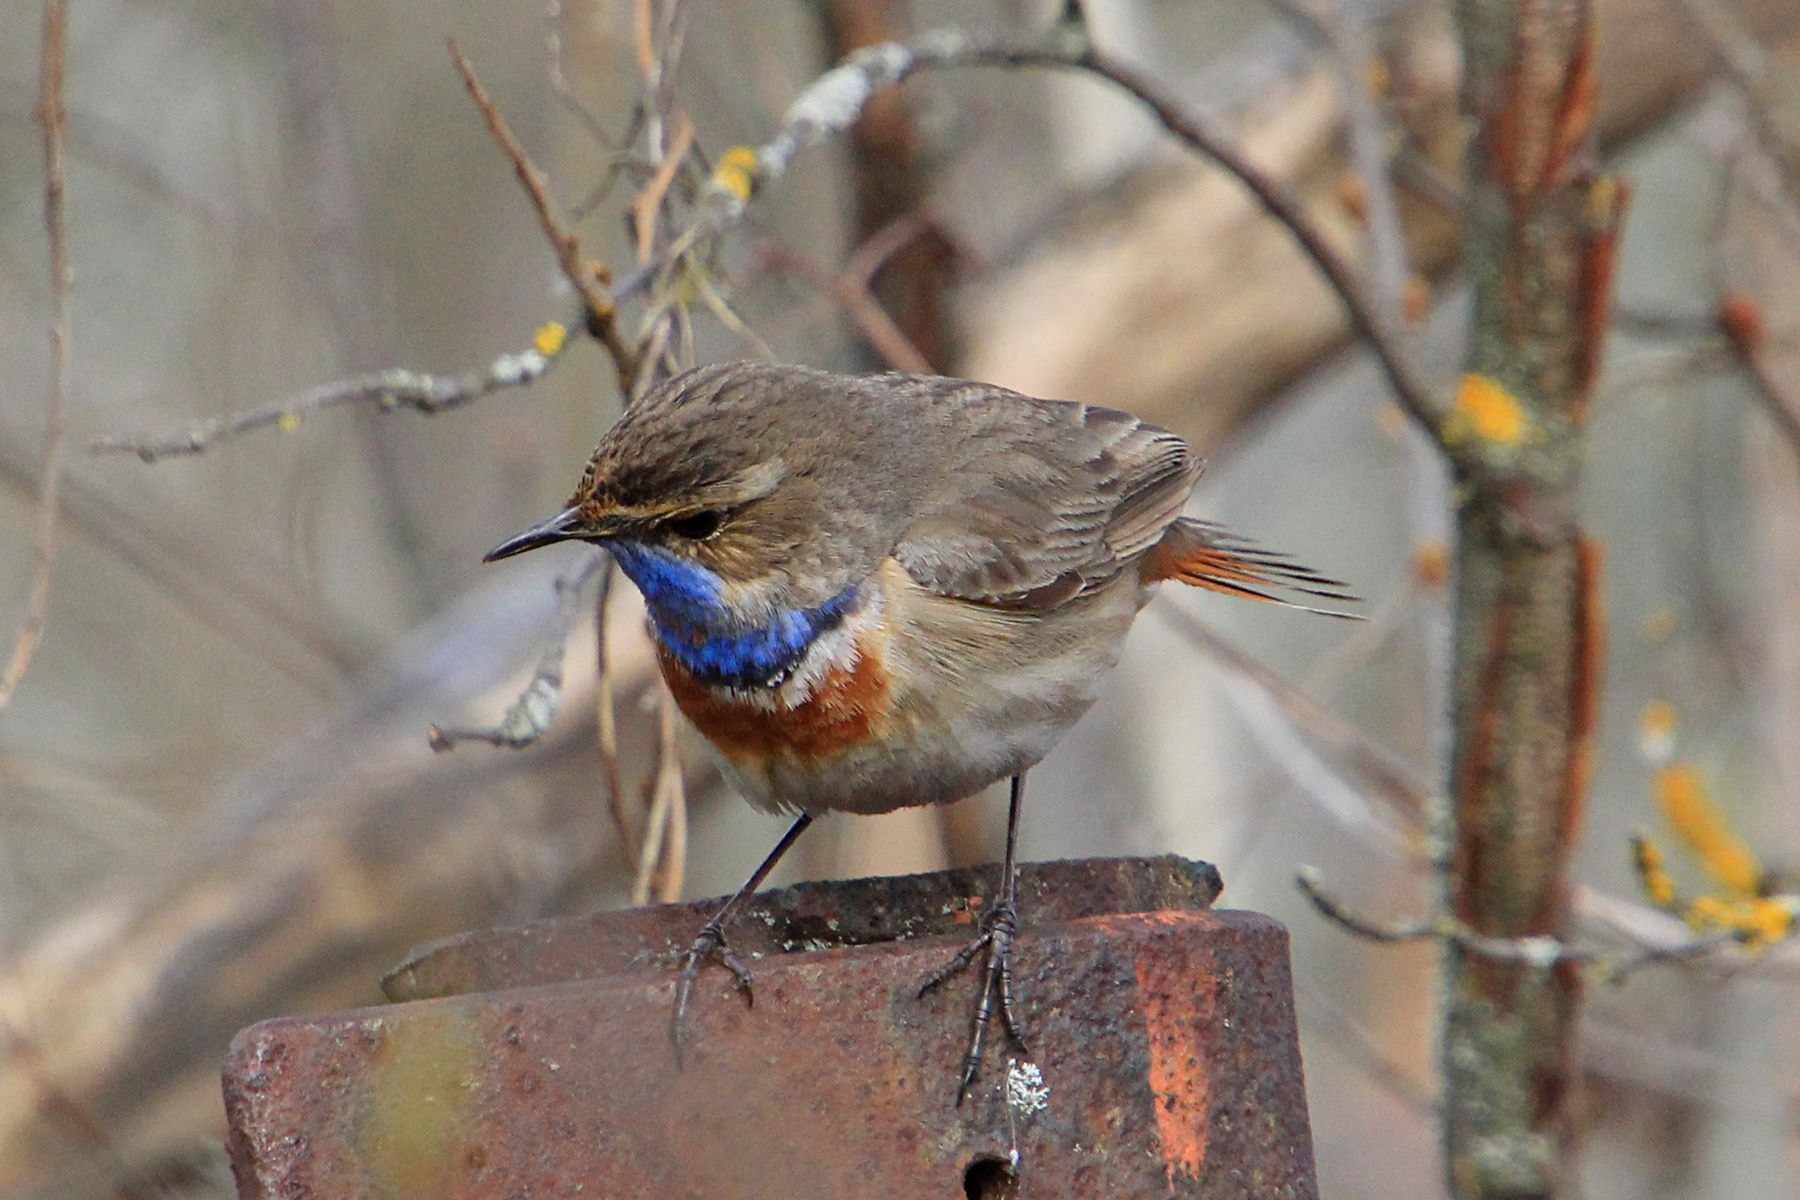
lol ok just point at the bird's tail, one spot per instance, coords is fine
(1205, 555)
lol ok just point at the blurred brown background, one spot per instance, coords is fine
(216, 798)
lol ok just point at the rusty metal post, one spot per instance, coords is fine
(1163, 1058)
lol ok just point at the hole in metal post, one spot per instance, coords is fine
(990, 1178)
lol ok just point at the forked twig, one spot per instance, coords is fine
(601, 312)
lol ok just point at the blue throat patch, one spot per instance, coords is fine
(695, 625)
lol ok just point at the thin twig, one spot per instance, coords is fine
(1745, 65)
(527, 717)
(1389, 777)
(52, 115)
(1318, 1007)
(1346, 32)
(395, 387)
(671, 864)
(1541, 952)
(601, 311)
(606, 725)
(648, 203)
(665, 792)
(850, 289)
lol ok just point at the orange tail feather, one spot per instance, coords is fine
(1202, 555)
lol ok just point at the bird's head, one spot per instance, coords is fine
(735, 492)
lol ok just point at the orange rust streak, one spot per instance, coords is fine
(844, 709)
(1178, 1081)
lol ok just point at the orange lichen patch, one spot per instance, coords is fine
(1415, 300)
(1758, 921)
(1656, 731)
(1741, 319)
(1390, 418)
(1353, 196)
(1682, 796)
(1648, 858)
(736, 172)
(1431, 563)
(1178, 1080)
(1484, 409)
(1377, 78)
(845, 708)
(550, 338)
(1659, 625)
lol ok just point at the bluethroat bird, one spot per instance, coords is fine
(875, 592)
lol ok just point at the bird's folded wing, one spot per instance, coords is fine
(1040, 501)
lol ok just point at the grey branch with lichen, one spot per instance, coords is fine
(527, 717)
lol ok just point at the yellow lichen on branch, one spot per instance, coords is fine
(1681, 794)
(736, 172)
(1744, 906)
(1485, 410)
(550, 338)
(1652, 874)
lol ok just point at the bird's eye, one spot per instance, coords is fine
(696, 527)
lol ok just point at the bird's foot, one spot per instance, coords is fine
(710, 944)
(996, 938)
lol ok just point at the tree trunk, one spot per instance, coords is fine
(1539, 239)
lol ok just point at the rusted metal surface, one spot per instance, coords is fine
(804, 917)
(1165, 1037)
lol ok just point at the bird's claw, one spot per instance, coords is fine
(710, 944)
(996, 937)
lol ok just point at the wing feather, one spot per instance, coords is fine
(1040, 501)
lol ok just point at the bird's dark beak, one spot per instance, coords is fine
(564, 526)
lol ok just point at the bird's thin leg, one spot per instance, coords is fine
(711, 942)
(997, 929)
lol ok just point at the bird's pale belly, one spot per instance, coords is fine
(908, 703)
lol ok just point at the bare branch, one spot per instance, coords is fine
(1347, 36)
(1540, 952)
(527, 717)
(601, 312)
(53, 116)
(395, 387)
(649, 202)
(850, 289)
(1318, 1008)
(829, 105)
(1390, 779)
(1745, 65)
